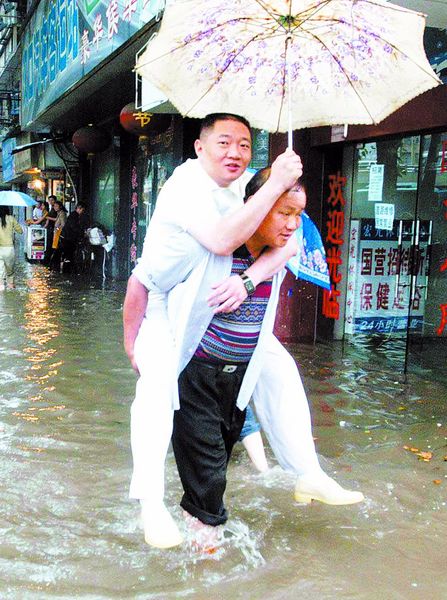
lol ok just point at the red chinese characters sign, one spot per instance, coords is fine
(443, 269)
(133, 212)
(334, 238)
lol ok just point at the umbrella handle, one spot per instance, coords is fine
(289, 96)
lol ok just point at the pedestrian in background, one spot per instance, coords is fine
(38, 210)
(49, 226)
(72, 234)
(61, 219)
(8, 226)
(40, 214)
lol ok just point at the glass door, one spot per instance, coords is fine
(386, 241)
(427, 344)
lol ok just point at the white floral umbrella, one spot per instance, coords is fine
(289, 64)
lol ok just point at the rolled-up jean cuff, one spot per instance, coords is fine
(251, 425)
(204, 516)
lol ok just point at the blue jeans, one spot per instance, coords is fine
(251, 424)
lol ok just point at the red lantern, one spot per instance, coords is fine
(143, 123)
(91, 139)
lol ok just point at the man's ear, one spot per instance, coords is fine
(198, 147)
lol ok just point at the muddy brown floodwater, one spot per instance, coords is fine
(68, 529)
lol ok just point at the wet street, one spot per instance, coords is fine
(68, 529)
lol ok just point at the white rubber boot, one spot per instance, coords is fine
(323, 488)
(160, 529)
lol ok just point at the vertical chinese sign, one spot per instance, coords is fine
(334, 238)
(443, 268)
(133, 213)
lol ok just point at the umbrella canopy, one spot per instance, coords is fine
(310, 262)
(10, 198)
(289, 64)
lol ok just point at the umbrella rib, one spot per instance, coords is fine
(343, 70)
(344, 73)
(379, 37)
(271, 14)
(222, 71)
(400, 52)
(193, 38)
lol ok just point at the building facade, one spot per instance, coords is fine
(384, 221)
(379, 194)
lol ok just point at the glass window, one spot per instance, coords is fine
(432, 208)
(386, 171)
(103, 183)
(397, 270)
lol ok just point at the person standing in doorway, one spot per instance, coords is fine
(61, 219)
(72, 233)
(49, 226)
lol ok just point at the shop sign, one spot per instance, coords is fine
(14, 164)
(444, 157)
(8, 159)
(334, 238)
(260, 149)
(133, 212)
(65, 39)
(443, 307)
(381, 265)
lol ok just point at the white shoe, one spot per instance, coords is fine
(160, 529)
(325, 489)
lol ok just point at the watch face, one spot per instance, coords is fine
(249, 286)
(248, 283)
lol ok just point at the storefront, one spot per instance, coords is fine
(393, 291)
(77, 73)
(384, 222)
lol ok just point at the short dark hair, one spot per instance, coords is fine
(52, 197)
(81, 205)
(256, 182)
(260, 177)
(209, 121)
(4, 211)
(60, 204)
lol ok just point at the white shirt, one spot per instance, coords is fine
(37, 213)
(188, 196)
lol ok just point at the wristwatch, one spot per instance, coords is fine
(248, 283)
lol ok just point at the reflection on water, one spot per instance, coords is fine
(68, 529)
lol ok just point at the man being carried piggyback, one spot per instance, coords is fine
(201, 238)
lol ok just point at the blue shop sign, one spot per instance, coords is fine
(65, 39)
(8, 163)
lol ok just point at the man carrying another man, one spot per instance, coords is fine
(198, 224)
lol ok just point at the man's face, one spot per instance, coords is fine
(282, 220)
(224, 151)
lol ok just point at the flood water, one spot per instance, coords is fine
(68, 529)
